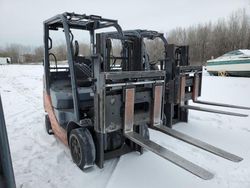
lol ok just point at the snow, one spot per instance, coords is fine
(40, 160)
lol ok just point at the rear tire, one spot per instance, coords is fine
(48, 125)
(82, 148)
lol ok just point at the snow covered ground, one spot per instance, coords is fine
(42, 161)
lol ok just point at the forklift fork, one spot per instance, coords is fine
(188, 139)
(195, 97)
(156, 121)
(195, 93)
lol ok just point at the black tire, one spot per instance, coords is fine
(48, 125)
(82, 148)
(114, 140)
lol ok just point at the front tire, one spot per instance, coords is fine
(82, 148)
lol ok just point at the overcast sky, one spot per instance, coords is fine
(21, 20)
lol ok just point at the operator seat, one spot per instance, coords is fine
(82, 67)
(61, 90)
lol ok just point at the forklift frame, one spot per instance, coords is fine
(90, 23)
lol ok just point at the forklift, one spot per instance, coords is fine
(7, 179)
(182, 84)
(101, 105)
(183, 81)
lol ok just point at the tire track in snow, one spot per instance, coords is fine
(112, 172)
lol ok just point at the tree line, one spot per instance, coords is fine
(211, 40)
(206, 41)
(24, 54)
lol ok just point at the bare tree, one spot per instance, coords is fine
(38, 54)
(212, 40)
(155, 49)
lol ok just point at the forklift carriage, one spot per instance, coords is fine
(102, 105)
